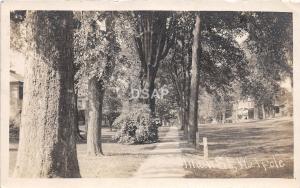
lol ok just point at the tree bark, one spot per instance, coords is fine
(255, 111)
(223, 117)
(187, 93)
(86, 116)
(151, 89)
(95, 98)
(193, 113)
(235, 113)
(47, 145)
(102, 92)
(269, 112)
(263, 111)
(110, 125)
(186, 122)
(76, 118)
(180, 118)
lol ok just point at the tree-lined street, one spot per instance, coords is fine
(137, 92)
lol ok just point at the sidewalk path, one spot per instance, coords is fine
(165, 160)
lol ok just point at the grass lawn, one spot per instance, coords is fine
(119, 160)
(257, 149)
(252, 142)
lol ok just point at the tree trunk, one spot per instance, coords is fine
(187, 94)
(263, 111)
(255, 111)
(186, 122)
(180, 118)
(94, 123)
(151, 89)
(86, 116)
(47, 145)
(76, 118)
(193, 113)
(102, 92)
(223, 117)
(110, 125)
(235, 114)
(269, 112)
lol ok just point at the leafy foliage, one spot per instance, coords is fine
(96, 47)
(136, 126)
(17, 29)
(113, 105)
(270, 38)
(270, 47)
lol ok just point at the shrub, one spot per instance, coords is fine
(14, 127)
(126, 133)
(136, 126)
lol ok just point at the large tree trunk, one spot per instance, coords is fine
(193, 113)
(47, 145)
(151, 89)
(94, 118)
(187, 94)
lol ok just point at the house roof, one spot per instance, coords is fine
(15, 77)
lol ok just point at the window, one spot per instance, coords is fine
(21, 90)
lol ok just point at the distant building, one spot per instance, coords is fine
(16, 94)
(82, 106)
(245, 109)
(82, 103)
(16, 100)
(282, 106)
